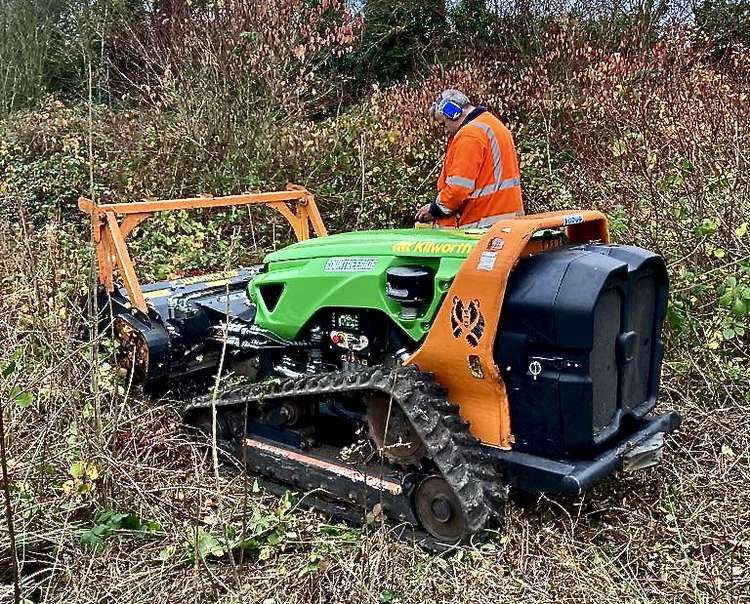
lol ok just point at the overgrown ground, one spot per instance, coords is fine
(112, 503)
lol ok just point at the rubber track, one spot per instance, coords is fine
(453, 450)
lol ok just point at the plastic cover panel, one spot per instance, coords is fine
(603, 358)
(637, 373)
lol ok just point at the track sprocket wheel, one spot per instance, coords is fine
(439, 510)
(394, 436)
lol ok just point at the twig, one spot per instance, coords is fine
(9, 507)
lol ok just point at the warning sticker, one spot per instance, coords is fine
(349, 265)
(487, 261)
(496, 244)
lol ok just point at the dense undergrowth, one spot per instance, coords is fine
(112, 503)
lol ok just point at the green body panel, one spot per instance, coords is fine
(349, 271)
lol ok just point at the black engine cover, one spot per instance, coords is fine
(579, 345)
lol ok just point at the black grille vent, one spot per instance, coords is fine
(603, 363)
(271, 293)
(636, 374)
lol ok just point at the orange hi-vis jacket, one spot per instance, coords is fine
(480, 182)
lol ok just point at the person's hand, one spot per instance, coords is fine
(423, 214)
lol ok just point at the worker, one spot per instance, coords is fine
(480, 182)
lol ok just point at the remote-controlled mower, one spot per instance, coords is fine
(417, 372)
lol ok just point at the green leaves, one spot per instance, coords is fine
(266, 531)
(93, 539)
(707, 227)
(734, 302)
(21, 397)
(208, 545)
(204, 545)
(9, 368)
(109, 522)
(618, 222)
(389, 596)
(735, 296)
(740, 307)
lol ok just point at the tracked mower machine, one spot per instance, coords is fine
(415, 372)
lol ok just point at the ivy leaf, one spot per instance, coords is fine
(741, 230)
(93, 541)
(9, 368)
(208, 545)
(21, 398)
(619, 147)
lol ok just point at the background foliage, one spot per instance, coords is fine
(640, 109)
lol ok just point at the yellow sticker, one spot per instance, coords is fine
(206, 278)
(430, 247)
(217, 282)
(157, 293)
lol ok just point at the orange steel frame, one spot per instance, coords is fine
(109, 235)
(478, 388)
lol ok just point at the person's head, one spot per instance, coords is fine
(450, 108)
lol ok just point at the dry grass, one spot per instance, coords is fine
(677, 533)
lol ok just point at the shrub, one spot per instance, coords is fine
(398, 38)
(726, 23)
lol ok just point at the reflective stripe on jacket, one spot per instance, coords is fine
(480, 175)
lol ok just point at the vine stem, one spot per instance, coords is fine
(9, 509)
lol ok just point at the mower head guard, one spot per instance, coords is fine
(109, 235)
